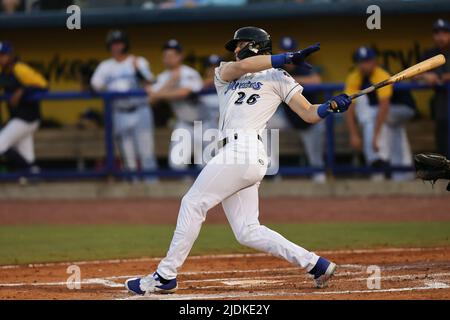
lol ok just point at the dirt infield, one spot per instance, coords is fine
(405, 274)
(279, 210)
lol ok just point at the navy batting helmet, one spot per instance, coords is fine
(259, 42)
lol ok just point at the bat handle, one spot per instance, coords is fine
(334, 106)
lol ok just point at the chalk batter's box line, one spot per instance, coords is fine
(340, 274)
(427, 286)
(107, 282)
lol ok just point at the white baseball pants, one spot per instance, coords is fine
(18, 133)
(393, 142)
(232, 178)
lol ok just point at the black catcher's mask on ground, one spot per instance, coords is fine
(117, 36)
(259, 42)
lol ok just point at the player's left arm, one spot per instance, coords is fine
(313, 113)
(234, 70)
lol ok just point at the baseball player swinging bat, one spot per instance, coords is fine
(412, 71)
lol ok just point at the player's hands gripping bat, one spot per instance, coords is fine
(341, 103)
(432, 167)
(413, 71)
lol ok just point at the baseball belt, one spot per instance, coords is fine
(226, 140)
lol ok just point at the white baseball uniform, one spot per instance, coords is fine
(186, 112)
(132, 117)
(232, 178)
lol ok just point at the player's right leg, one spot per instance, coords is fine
(242, 211)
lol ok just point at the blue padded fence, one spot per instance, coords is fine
(110, 169)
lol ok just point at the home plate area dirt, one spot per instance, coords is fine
(405, 273)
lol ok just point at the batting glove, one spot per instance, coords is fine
(337, 104)
(297, 58)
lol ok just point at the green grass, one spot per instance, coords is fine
(44, 243)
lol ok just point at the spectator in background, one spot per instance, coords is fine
(381, 114)
(41, 5)
(90, 119)
(312, 135)
(440, 76)
(11, 6)
(84, 76)
(178, 85)
(132, 117)
(169, 4)
(209, 100)
(20, 81)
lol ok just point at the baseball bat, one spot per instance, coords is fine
(412, 71)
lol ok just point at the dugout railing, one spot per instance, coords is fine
(110, 169)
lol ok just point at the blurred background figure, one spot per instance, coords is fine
(440, 76)
(209, 101)
(132, 117)
(178, 85)
(382, 116)
(19, 81)
(11, 6)
(84, 76)
(90, 119)
(312, 136)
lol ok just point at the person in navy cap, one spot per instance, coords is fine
(381, 116)
(438, 77)
(311, 135)
(177, 85)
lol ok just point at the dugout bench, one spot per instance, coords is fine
(81, 145)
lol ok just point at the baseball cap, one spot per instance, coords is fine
(213, 60)
(364, 53)
(288, 44)
(441, 25)
(173, 44)
(5, 47)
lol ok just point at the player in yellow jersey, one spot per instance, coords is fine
(19, 81)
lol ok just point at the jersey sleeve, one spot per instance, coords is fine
(98, 80)
(191, 80)
(378, 76)
(218, 81)
(286, 86)
(29, 77)
(144, 69)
